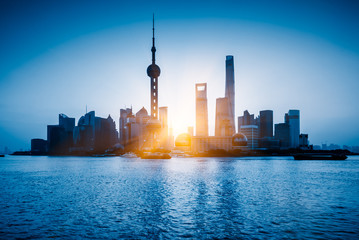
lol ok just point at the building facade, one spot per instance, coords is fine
(293, 119)
(282, 133)
(266, 124)
(60, 137)
(211, 143)
(246, 119)
(223, 126)
(230, 92)
(251, 132)
(201, 110)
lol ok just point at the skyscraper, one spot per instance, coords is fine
(246, 119)
(163, 115)
(94, 133)
(266, 124)
(282, 133)
(229, 92)
(223, 119)
(59, 137)
(201, 110)
(294, 127)
(154, 71)
(124, 114)
(251, 132)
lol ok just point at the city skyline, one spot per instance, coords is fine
(95, 69)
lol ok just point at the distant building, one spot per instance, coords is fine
(246, 119)
(38, 146)
(251, 132)
(292, 118)
(66, 122)
(303, 141)
(124, 114)
(230, 92)
(143, 132)
(163, 114)
(317, 147)
(333, 146)
(355, 149)
(282, 133)
(223, 126)
(136, 129)
(84, 133)
(201, 110)
(56, 139)
(266, 124)
(268, 143)
(94, 133)
(215, 143)
(106, 135)
(211, 143)
(59, 137)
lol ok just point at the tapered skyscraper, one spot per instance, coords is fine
(154, 71)
(230, 91)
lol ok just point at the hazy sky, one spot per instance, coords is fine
(59, 56)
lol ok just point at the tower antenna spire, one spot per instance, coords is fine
(153, 49)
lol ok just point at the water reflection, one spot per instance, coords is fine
(179, 198)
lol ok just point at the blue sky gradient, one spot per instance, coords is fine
(59, 56)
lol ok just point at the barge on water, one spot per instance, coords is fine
(319, 156)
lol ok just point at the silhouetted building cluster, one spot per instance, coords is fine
(142, 131)
(92, 134)
(137, 132)
(224, 119)
(258, 131)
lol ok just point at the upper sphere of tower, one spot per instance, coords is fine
(153, 71)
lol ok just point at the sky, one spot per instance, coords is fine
(61, 56)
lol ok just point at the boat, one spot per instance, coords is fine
(155, 155)
(104, 155)
(319, 156)
(129, 155)
(2, 155)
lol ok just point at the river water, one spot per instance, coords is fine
(196, 198)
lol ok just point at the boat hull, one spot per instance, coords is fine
(320, 157)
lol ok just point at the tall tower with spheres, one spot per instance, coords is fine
(154, 71)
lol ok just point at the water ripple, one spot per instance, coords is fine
(205, 198)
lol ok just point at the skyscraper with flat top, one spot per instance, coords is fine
(201, 110)
(294, 127)
(266, 124)
(229, 92)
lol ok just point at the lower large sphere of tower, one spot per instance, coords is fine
(153, 71)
